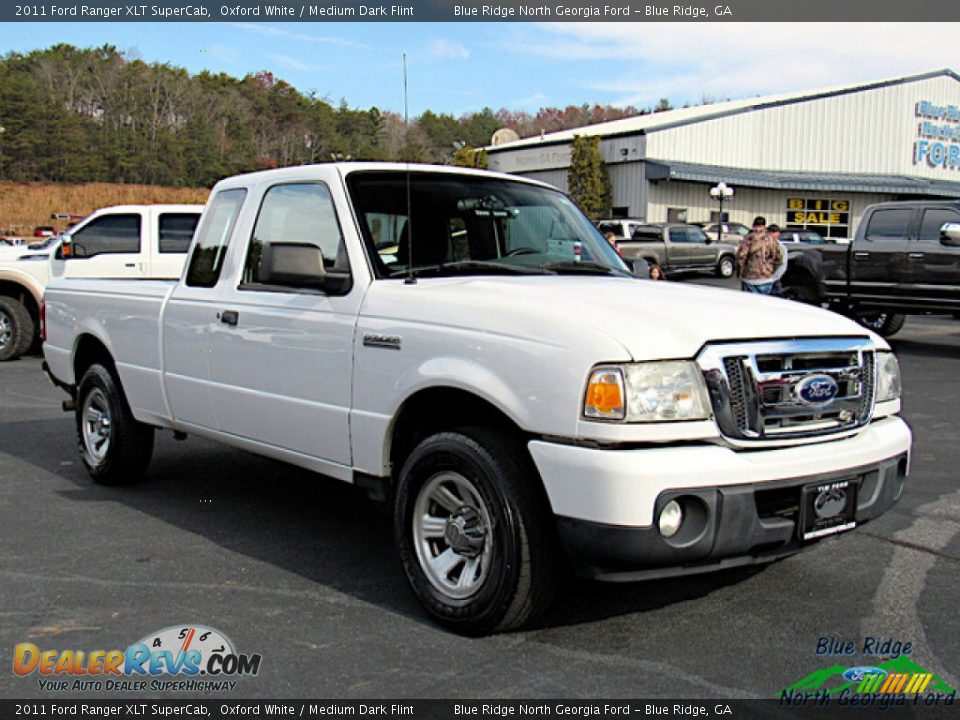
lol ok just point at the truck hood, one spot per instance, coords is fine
(650, 320)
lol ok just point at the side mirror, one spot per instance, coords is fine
(950, 234)
(641, 269)
(707, 240)
(64, 249)
(300, 265)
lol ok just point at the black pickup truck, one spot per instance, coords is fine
(905, 260)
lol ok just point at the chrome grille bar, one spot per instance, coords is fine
(754, 387)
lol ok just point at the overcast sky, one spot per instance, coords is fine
(462, 67)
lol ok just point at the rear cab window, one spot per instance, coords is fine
(889, 225)
(213, 237)
(176, 231)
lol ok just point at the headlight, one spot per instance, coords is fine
(888, 376)
(647, 392)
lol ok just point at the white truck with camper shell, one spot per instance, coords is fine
(518, 405)
(124, 241)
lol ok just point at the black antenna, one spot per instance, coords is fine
(411, 272)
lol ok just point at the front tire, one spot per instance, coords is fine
(725, 267)
(114, 446)
(801, 293)
(16, 329)
(474, 531)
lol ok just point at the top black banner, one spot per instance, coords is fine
(810, 11)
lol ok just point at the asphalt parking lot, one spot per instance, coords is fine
(302, 570)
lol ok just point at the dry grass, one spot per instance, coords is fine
(24, 206)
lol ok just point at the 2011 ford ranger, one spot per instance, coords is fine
(517, 405)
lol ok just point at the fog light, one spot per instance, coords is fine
(670, 519)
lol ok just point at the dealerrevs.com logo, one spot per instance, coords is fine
(183, 657)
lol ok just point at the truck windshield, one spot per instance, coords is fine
(470, 224)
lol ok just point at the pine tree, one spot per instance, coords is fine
(469, 157)
(588, 179)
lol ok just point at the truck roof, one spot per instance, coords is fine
(169, 207)
(915, 203)
(299, 172)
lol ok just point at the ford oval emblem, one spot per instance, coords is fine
(856, 674)
(817, 389)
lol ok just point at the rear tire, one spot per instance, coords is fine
(882, 323)
(16, 329)
(114, 446)
(474, 531)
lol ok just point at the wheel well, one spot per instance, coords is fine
(22, 295)
(89, 351)
(436, 409)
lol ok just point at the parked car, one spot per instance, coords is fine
(905, 259)
(731, 232)
(621, 227)
(133, 241)
(516, 408)
(44, 231)
(678, 247)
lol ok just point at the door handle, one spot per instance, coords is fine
(915, 255)
(861, 255)
(130, 265)
(229, 317)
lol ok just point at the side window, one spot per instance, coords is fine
(933, 220)
(890, 225)
(678, 235)
(299, 214)
(107, 235)
(176, 231)
(213, 236)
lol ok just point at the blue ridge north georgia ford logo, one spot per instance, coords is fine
(817, 389)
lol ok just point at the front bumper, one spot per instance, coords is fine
(749, 501)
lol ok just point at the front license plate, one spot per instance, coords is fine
(828, 508)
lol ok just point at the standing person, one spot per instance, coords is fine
(758, 258)
(774, 231)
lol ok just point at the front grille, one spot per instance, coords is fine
(787, 389)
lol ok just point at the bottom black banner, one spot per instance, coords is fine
(787, 706)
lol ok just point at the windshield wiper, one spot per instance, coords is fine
(468, 266)
(584, 267)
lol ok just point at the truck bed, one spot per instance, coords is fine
(125, 316)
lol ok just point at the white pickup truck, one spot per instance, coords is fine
(518, 407)
(125, 241)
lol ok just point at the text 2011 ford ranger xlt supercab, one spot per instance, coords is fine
(423, 332)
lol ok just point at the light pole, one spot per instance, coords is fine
(2, 131)
(719, 192)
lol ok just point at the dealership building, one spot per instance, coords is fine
(805, 160)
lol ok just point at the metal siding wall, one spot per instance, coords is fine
(557, 178)
(864, 132)
(629, 187)
(746, 203)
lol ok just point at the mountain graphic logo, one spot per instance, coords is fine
(894, 676)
